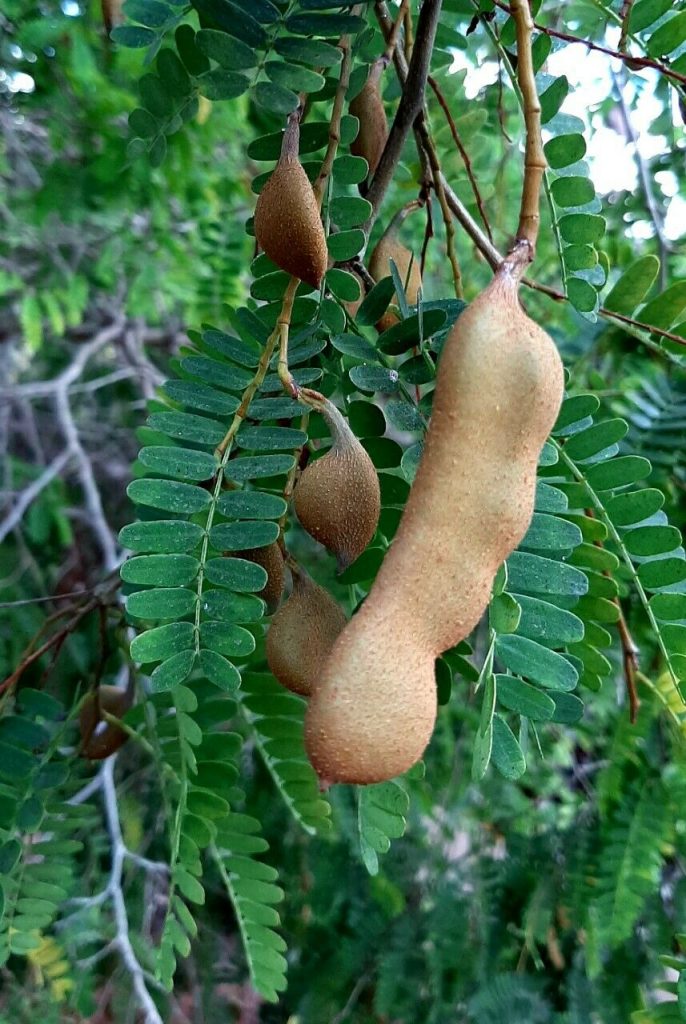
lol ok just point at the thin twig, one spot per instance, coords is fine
(630, 661)
(624, 14)
(466, 160)
(30, 493)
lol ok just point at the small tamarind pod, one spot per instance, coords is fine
(368, 107)
(351, 308)
(271, 559)
(302, 634)
(100, 738)
(288, 224)
(389, 247)
(498, 391)
(388, 320)
(112, 14)
(337, 499)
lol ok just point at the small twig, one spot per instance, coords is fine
(98, 522)
(630, 654)
(630, 651)
(624, 14)
(392, 37)
(283, 326)
(30, 493)
(355, 994)
(466, 160)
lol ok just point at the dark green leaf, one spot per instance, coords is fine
(169, 495)
(164, 536)
(185, 463)
(506, 754)
(525, 699)
(527, 658)
(243, 535)
(160, 570)
(162, 642)
(164, 603)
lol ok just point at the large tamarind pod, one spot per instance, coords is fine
(302, 634)
(100, 738)
(337, 498)
(271, 559)
(498, 391)
(288, 225)
(368, 107)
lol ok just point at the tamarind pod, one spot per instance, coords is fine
(373, 132)
(389, 247)
(498, 391)
(337, 499)
(100, 738)
(302, 634)
(112, 14)
(288, 225)
(388, 320)
(271, 559)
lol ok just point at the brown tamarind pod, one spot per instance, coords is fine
(271, 559)
(389, 247)
(373, 132)
(351, 308)
(388, 320)
(337, 498)
(499, 387)
(100, 738)
(288, 224)
(302, 634)
(112, 14)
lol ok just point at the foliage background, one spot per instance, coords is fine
(554, 893)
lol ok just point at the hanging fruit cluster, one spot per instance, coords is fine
(370, 682)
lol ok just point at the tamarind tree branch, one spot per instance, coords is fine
(534, 159)
(410, 106)
(636, 63)
(114, 889)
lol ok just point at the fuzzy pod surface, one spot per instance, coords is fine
(337, 499)
(301, 635)
(498, 391)
(100, 738)
(288, 225)
(368, 107)
(389, 247)
(271, 560)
